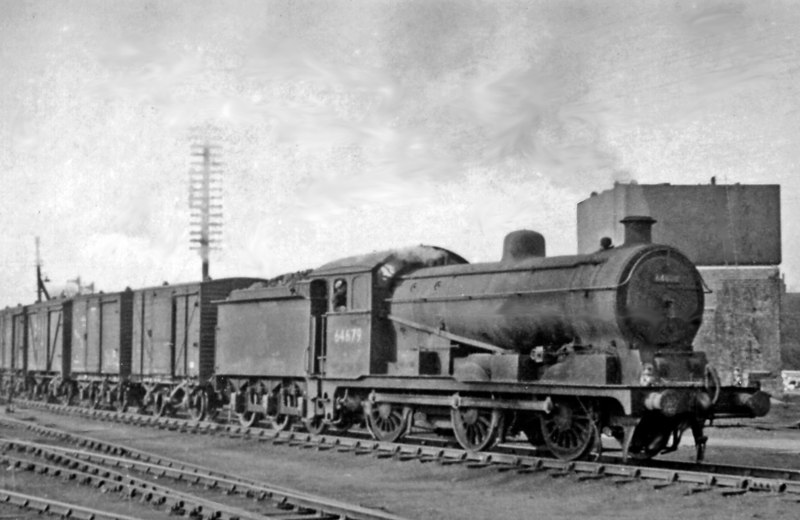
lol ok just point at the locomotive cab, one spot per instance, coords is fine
(351, 336)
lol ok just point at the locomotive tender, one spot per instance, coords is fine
(561, 349)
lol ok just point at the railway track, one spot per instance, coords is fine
(139, 475)
(726, 479)
(44, 506)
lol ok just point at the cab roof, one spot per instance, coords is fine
(424, 256)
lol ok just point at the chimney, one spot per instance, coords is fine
(638, 229)
(522, 244)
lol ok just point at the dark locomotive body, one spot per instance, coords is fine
(560, 348)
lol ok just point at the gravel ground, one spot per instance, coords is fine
(431, 491)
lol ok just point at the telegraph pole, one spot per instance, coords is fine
(205, 202)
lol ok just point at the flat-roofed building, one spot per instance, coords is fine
(733, 234)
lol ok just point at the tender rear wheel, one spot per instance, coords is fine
(388, 422)
(476, 429)
(279, 396)
(569, 431)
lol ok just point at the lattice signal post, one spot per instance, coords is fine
(205, 202)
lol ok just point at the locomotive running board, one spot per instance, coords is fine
(457, 401)
(449, 335)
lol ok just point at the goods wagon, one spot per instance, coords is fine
(101, 332)
(172, 349)
(46, 345)
(12, 348)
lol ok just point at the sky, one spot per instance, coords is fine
(350, 126)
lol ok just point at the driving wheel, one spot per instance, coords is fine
(569, 431)
(388, 422)
(476, 428)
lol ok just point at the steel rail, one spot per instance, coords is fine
(728, 479)
(57, 508)
(281, 499)
(167, 467)
(101, 477)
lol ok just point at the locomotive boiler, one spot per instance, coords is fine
(561, 349)
(640, 295)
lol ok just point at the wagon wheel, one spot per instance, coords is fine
(67, 394)
(95, 399)
(568, 430)
(476, 428)
(33, 391)
(119, 400)
(197, 405)
(53, 390)
(85, 396)
(160, 404)
(8, 386)
(387, 422)
(145, 403)
(20, 388)
(282, 422)
(315, 425)
(248, 419)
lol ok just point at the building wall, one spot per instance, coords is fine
(713, 224)
(790, 331)
(741, 322)
(732, 232)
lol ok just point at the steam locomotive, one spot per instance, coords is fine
(560, 349)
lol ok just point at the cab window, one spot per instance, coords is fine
(339, 298)
(361, 292)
